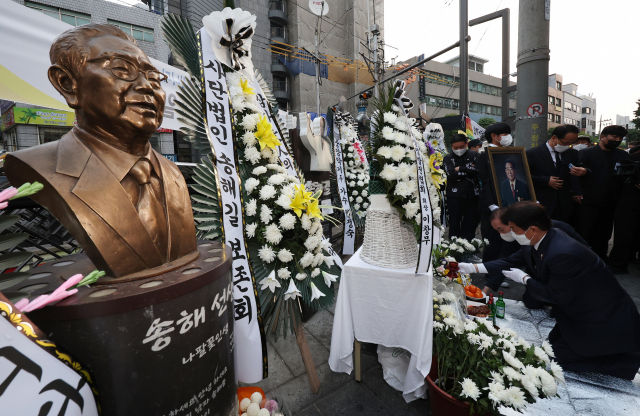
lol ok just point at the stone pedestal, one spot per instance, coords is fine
(162, 345)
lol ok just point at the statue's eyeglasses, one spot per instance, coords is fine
(128, 71)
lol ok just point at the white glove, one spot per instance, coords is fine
(493, 207)
(516, 275)
(467, 268)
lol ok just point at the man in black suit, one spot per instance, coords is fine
(510, 246)
(512, 189)
(597, 324)
(555, 170)
(626, 224)
(601, 188)
(497, 135)
(463, 189)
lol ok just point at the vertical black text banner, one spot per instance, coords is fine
(349, 226)
(249, 359)
(426, 224)
(283, 152)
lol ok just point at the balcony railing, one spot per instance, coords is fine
(280, 85)
(278, 33)
(278, 12)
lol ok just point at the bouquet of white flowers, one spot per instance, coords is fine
(487, 367)
(459, 247)
(356, 169)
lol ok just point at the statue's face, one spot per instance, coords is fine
(115, 104)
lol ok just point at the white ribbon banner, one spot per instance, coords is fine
(348, 246)
(249, 343)
(283, 152)
(426, 225)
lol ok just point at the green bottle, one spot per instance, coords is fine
(492, 308)
(500, 306)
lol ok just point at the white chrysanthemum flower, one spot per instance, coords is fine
(398, 153)
(474, 339)
(495, 391)
(265, 214)
(284, 201)
(508, 332)
(250, 230)
(307, 259)
(548, 383)
(249, 122)
(470, 325)
(448, 321)
(401, 125)
(360, 183)
(250, 207)
(365, 205)
(354, 193)
(541, 355)
(387, 133)
(305, 221)
(272, 234)
(470, 389)
(497, 377)
(556, 370)
(288, 221)
(237, 104)
(438, 325)
(315, 272)
(511, 360)
(513, 396)
(267, 192)
(249, 139)
(251, 184)
(266, 254)
(277, 179)
(318, 259)
(352, 183)
(312, 242)
(390, 118)
(486, 342)
(511, 373)
(301, 276)
(548, 349)
(411, 208)
(524, 343)
(284, 273)
(251, 154)
(259, 170)
(365, 193)
(529, 381)
(385, 151)
(404, 171)
(447, 311)
(389, 172)
(285, 255)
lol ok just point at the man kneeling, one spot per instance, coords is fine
(597, 324)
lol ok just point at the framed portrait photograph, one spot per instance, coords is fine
(511, 177)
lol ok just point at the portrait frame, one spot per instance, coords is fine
(498, 157)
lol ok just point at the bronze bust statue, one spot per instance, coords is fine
(126, 204)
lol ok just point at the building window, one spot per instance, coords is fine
(559, 85)
(67, 16)
(567, 105)
(552, 100)
(558, 118)
(138, 32)
(10, 140)
(154, 141)
(559, 102)
(279, 83)
(51, 134)
(551, 117)
(278, 32)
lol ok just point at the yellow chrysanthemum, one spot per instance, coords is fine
(264, 134)
(313, 210)
(246, 89)
(437, 179)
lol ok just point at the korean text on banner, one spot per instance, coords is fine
(349, 225)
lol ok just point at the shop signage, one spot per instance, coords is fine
(43, 117)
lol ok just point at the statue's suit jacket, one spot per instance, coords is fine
(88, 199)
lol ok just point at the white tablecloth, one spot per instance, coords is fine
(390, 307)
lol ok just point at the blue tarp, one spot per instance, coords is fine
(297, 66)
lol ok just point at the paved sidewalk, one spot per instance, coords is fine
(339, 393)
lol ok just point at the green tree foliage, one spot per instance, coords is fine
(633, 136)
(485, 122)
(636, 120)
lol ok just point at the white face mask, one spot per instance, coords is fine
(522, 238)
(579, 146)
(508, 236)
(506, 140)
(560, 148)
(460, 152)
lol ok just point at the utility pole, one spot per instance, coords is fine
(533, 73)
(318, 81)
(375, 31)
(464, 58)
(605, 123)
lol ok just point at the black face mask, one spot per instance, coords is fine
(612, 144)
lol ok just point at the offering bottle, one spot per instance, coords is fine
(500, 306)
(491, 308)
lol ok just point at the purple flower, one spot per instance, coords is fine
(431, 149)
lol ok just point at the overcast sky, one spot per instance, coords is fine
(593, 42)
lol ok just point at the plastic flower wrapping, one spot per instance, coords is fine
(356, 169)
(486, 366)
(394, 159)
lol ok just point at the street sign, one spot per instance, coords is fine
(535, 110)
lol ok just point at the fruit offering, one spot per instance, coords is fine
(473, 291)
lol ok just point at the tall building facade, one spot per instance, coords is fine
(555, 100)
(568, 106)
(572, 107)
(437, 88)
(589, 115)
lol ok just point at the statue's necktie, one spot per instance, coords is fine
(149, 208)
